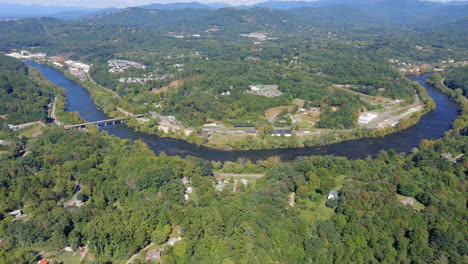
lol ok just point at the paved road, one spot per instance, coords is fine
(388, 115)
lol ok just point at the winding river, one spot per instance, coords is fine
(431, 126)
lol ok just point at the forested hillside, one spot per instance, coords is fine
(457, 78)
(23, 95)
(135, 197)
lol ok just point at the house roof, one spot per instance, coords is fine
(283, 132)
(153, 254)
(334, 193)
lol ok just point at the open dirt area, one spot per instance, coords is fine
(174, 85)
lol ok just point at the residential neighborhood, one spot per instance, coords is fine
(123, 65)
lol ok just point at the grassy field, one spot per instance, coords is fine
(174, 85)
(222, 141)
(30, 130)
(68, 257)
(271, 113)
(417, 205)
(317, 209)
(308, 120)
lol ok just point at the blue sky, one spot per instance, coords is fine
(126, 3)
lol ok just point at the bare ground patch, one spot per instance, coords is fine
(174, 85)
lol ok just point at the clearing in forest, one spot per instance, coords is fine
(174, 85)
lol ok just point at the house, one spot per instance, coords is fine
(44, 261)
(13, 127)
(69, 249)
(16, 213)
(189, 190)
(450, 157)
(210, 125)
(333, 195)
(278, 133)
(366, 118)
(255, 88)
(153, 255)
(185, 180)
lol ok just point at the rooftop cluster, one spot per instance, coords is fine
(123, 65)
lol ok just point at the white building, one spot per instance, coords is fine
(366, 118)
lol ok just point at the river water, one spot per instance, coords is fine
(431, 126)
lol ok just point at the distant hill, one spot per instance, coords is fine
(284, 18)
(149, 18)
(182, 5)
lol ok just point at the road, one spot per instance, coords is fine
(72, 201)
(238, 175)
(114, 93)
(83, 255)
(130, 260)
(52, 113)
(388, 115)
(20, 126)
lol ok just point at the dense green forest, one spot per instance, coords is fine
(24, 96)
(457, 78)
(135, 198)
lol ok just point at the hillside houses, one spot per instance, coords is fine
(26, 55)
(123, 65)
(264, 90)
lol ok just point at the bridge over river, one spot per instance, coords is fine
(105, 122)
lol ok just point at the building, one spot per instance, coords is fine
(153, 255)
(278, 133)
(333, 195)
(366, 118)
(210, 125)
(185, 180)
(16, 213)
(13, 127)
(255, 87)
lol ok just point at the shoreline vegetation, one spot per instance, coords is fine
(110, 104)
